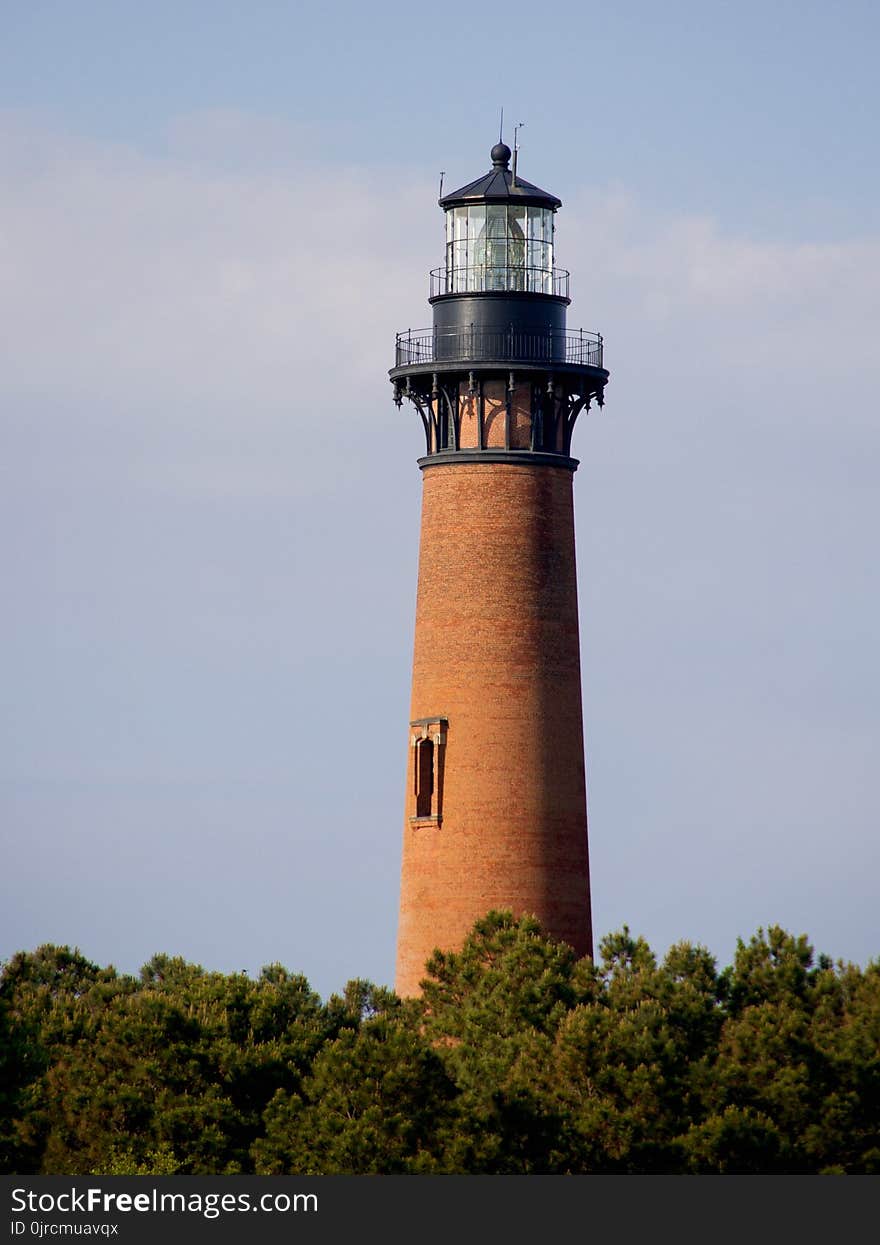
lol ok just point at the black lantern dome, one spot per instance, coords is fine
(499, 307)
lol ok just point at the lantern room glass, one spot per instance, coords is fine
(499, 246)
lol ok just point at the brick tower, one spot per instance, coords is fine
(496, 813)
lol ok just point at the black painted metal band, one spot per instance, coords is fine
(512, 458)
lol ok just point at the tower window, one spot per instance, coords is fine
(428, 758)
(424, 756)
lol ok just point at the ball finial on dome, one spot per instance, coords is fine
(500, 154)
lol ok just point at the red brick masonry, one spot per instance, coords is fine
(496, 657)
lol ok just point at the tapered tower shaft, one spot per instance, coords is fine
(497, 660)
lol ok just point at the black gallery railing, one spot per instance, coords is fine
(483, 278)
(479, 345)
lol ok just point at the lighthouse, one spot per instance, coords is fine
(496, 807)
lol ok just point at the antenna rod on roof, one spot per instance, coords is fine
(501, 126)
(519, 125)
(442, 175)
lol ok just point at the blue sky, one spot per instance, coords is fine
(214, 219)
(744, 110)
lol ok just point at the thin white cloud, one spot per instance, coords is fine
(131, 271)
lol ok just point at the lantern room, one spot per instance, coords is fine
(499, 236)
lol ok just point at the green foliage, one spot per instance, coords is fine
(374, 1101)
(120, 1071)
(630, 1063)
(738, 1141)
(123, 1162)
(517, 1058)
(492, 1011)
(772, 968)
(44, 1011)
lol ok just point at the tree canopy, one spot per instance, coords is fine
(517, 1058)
